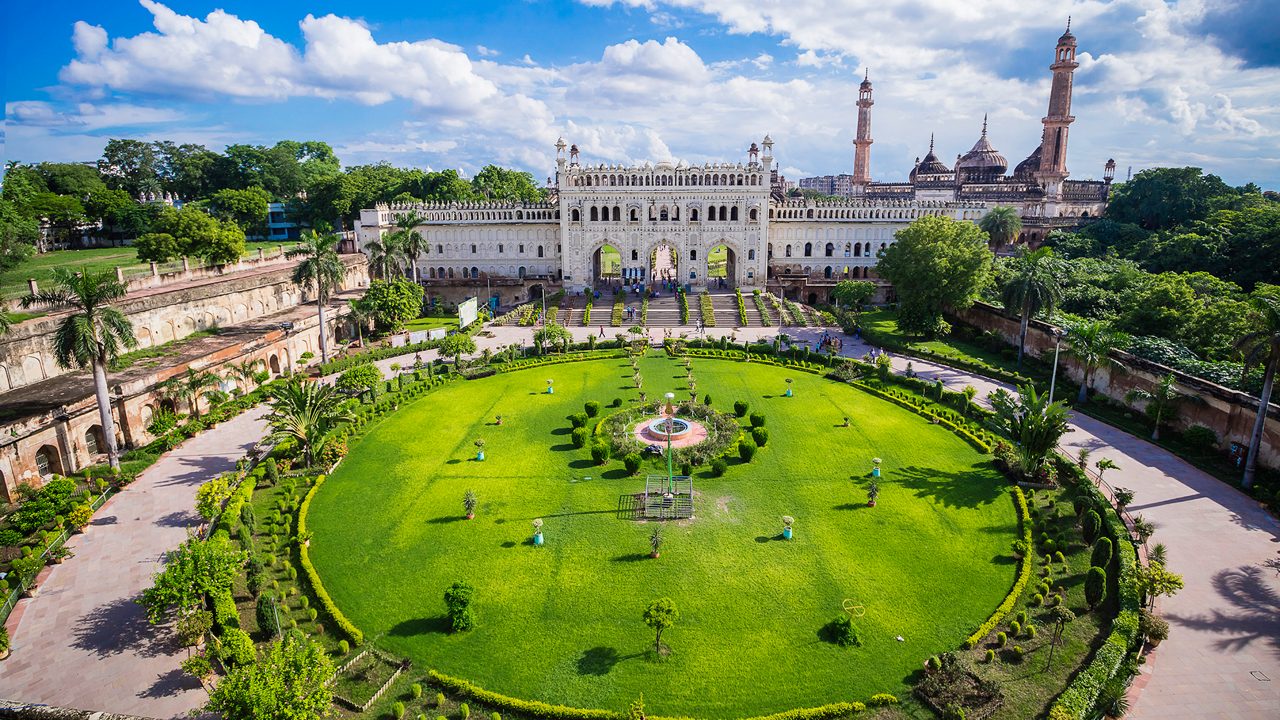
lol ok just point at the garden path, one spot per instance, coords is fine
(84, 642)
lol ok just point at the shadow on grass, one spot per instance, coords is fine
(601, 660)
(1003, 560)
(632, 557)
(562, 447)
(445, 520)
(762, 539)
(420, 626)
(562, 431)
(850, 506)
(509, 544)
(969, 488)
(582, 464)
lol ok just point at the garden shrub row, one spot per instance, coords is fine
(615, 319)
(644, 311)
(326, 602)
(742, 306)
(586, 314)
(552, 312)
(575, 356)
(973, 365)
(515, 313)
(530, 315)
(797, 316)
(544, 711)
(765, 318)
(347, 362)
(684, 307)
(1078, 700)
(707, 309)
(1024, 574)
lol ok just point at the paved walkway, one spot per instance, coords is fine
(83, 642)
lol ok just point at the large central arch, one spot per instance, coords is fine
(722, 263)
(606, 263)
(664, 262)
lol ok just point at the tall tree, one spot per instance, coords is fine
(191, 386)
(853, 294)
(936, 262)
(246, 208)
(321, 269)
(1002, 224)
(1162, 198)
(1262, 347)
(1160, 400)
(306, 412)
(1091, 343)
(385, 255)
(411, 243)
(289, 681)
(130, 165)
(660, 615)
(1034, 287)
(91, 335)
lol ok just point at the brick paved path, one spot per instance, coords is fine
(83, 642)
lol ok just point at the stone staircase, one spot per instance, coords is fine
(664, 311)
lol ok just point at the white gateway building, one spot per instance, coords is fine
(731, 223)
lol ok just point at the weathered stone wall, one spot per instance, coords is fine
(1227, 412)
(26, 352)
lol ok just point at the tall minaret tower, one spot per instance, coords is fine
(1053, 146)
(862, 146)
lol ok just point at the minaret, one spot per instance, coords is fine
(1053, 145)
(862, 146)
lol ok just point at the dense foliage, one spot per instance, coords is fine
(936, 262)
(394, 303)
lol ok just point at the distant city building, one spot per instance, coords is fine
(838, 185)
(279, 226)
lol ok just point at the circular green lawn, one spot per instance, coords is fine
(562, 623)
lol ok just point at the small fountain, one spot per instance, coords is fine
(669, 430)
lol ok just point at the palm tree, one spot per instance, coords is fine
(306, 412)
(359, 314)
(1033, 288)
(1160, 401)
(1261, 347)
(92, 335)
(320, 267)
(1091, 343)
(410, 241)
(244, 374)
(385, 255)
(192, 386)
(5, 322)
(1002, 225)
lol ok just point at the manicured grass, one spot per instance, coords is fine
(562, 623)
(431, 323)
(886, 322)
(13, 283)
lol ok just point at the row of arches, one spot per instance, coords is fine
(866, 213)
(850, 250)
(662, 213)
(451, 215)
(662, 180)
(538, 250)
(830, 272)
(475, 272)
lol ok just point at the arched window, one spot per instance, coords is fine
(539, 251)
(520, 272)
(499, 248)
(595, 214)
(827, 273)
(753, 215)
(808, 249)
(440, 249)
(693, 254)
(93, 440)
(475, 272)
(693, 215)
(635, 215)
(788, 251)
(575, 216)
(450, 273)
(733, 213)
(439, 274)
(473, 249)
(831, 250)
(635, 255)
(617, 213)
(662, 214)
(724, 213)
(47, 461)
(751, 254)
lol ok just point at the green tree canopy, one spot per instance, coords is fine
(246, 208)
(393, 303)
(936, 263)
(359, 378)
(1162, 198)
(193, 571)
(289, 681)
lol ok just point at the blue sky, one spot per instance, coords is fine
(460, 84)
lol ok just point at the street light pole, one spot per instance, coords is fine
(1057, 344)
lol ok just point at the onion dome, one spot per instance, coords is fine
(1027, 168)
(1067, 38)
(983, 160)
(931, 165)
(866, 80)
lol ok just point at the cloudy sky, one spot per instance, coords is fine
(440, 83)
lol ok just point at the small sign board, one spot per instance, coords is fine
(468, 311)
(419, 336)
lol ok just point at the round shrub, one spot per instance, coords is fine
(757, 419)
(312, 614)
(991, 656)
(632, 462)
(617, 402)
(746, 449)
(344, 647)
(706, 399)
(600, 453)
(236, 648)
(739, 408)
(1021, 617)
(1101, 553)
(1037, 600)
(718, 466)
(760, 435)
(843, 632)
(686, 469)
(464, 711)
(415, 690)
(1095, 586)
(1059, 558)
(1001, 639)
(882, 700)
(933, 663)
(592, 407)
(1030, 632)
(265, 612)
(1015, 653)
(397, 710)
(578, 420)
(439, 700)
(1200, 438)
(1015, 628)
(1091, 525)
(579, 437)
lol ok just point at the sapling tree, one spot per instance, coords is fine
(469, 502)
(660, 615)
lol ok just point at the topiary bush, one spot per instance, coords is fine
(882, 700)
(592, 407)
(746, 449)
(842, 632)
(397, 710)
(739, 408)
(600, 453)
(991, 656)
(1001, 639)
(757, 419)
(718, 467)
(1095, 586)
(1091, 525)
(265, 612)
(706, 399)
(760, 435)
(632, 463)
(579, 437)
(236, 648)
(1201, 439)
(1101, 552)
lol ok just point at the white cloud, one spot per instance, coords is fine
(87, 116)
(483, 51)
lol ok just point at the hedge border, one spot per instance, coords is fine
(546, 711)
(1078, 700)
(313, 577)
(1020, 584)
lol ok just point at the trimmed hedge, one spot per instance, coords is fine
(1080, 697)
(1020, 584)
(466, 690)
(225, 615)
(326, 602)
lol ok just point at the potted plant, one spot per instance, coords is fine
(497, 419)
(469, 500)
(4, 643)
(655, 540)
(550, 390)
(27, 568)
(873, 492)
(1154, 627)
(60, 553)
(537, 531)
(875, 467)
(787, 522)
(480, 449)
(788, 392)
(846, 421)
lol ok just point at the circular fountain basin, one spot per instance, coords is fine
(683, 432)
(679, 428)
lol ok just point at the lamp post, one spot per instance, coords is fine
(671, 481)
(1058, 334)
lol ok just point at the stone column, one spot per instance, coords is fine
(155, 269)
(186, 265)
(32, 286)
(119, 274)
(262, 254)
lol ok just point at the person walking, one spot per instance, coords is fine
(601, 331)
